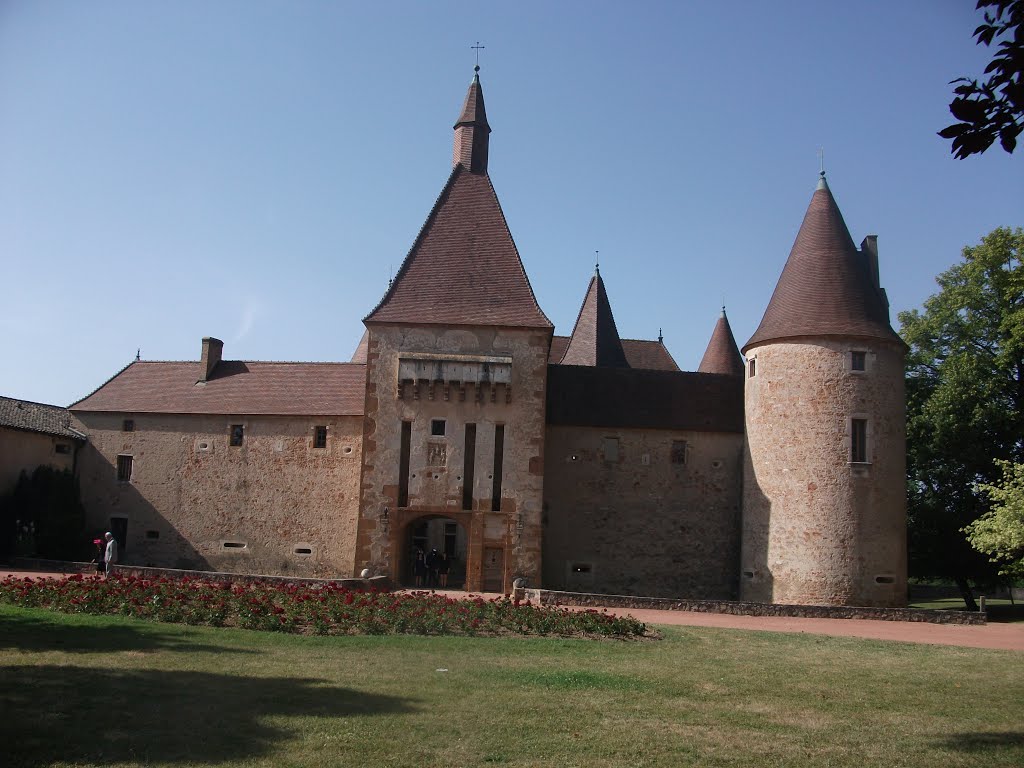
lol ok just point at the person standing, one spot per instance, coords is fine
(110, 556)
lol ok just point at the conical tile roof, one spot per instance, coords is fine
(595, 339)
(722, 354)
(826, 287)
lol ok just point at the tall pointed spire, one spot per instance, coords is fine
(595, 339)
(828, 287)
(722, 354)
(471, 130)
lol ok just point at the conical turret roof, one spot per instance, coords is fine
(595, 339)
(722, 354)
(464, 268)
(826, 288)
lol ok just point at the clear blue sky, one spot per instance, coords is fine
(253, 170)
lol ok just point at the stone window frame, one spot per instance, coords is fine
(751, 367)
(244, 427)
(868, 436)
(320, 433)
(125, 469)
(851, 360)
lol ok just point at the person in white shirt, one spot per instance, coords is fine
(110, 556)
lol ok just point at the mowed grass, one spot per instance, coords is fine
(89, 690)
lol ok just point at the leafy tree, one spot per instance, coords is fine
(965, 404)
(999, 533)
(44, 516)
(995, 108)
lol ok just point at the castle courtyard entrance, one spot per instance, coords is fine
(431, 545)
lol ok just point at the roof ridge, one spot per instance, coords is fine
(32, 402)
(101, 386)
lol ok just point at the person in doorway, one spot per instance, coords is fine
(110, 556)
(444, 564)
(432, 559)
(419, 568)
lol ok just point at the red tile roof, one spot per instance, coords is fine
(464, 268)
(28, 416)
(595, 339)
(359, 356)
(826, 288)
(722, 355)
(236, 387)
(625, 398)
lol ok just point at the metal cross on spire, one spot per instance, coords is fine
(597, 262)
(477, 48)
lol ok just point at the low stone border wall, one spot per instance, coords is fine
(551, 597)
(56, 566)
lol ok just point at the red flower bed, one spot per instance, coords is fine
(321, 609)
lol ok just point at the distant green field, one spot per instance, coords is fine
(104, 691)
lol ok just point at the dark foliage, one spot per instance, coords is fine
(44, 517)
(993, 109)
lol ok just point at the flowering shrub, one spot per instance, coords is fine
(319, 609)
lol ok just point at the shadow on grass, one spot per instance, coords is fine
(30, 633)
(104, 716)
(983, 742)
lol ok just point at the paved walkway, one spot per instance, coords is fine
(1008, 637)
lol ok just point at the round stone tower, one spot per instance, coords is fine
(824, 496)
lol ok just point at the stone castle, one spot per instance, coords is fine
(586, 463)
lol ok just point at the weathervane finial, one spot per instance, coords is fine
(821, 162)
(597, 263)
(477, 48)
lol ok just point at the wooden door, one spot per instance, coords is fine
(494, 569)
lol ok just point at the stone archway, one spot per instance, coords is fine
(427, 533)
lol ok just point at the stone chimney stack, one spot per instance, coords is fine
(212, 350)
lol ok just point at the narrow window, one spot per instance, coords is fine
(237, 434)
(679, 451)
(152, 535)
(469, 467)
(403, 464)
(437, 427)
(124, 468)
(499, 451)
(858, 361)
(128, 425)
(319, 437)
(611, 450)
(859, 440)
(752, 368)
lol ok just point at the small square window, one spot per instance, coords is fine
(128, 425)
(437, 427)
(319, 437)
(237, 434)
(679, 448)
(124, 468)
(752, 368)
(62, 448)
(858, 361)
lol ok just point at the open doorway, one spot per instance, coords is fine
(434, 555)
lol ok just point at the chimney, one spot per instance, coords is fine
(212, 349)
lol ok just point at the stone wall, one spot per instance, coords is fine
(819, 528)
(501, 544)
(22, 451)
(642, 512)
(274, 505)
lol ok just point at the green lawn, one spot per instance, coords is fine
(89, 690)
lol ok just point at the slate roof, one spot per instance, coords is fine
(825, 288)
(640, 353)
(28, 416)
(595, 339)
(236, 387)
(623, 398)
(722, 355)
